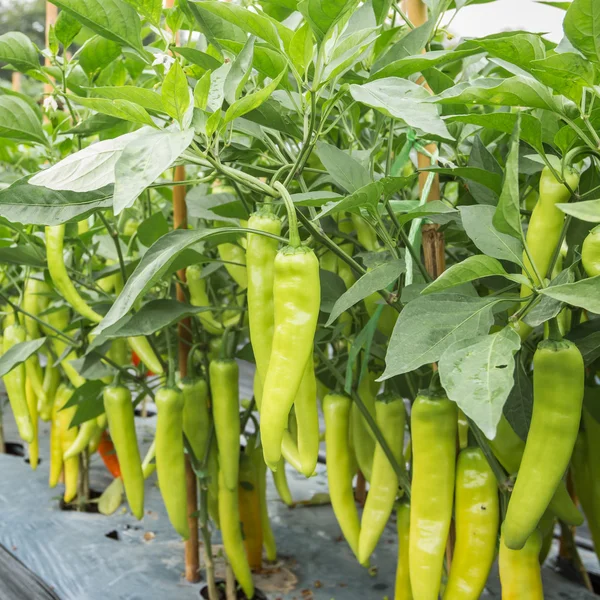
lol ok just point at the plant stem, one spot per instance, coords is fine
(114, 234)
(291, 211)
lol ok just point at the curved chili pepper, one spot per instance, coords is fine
(281, 484)
(362, 437)
(433, 430)
(403, 589)
(119, 412)
(84, 436)
(336, 409)
(107, 452)
(49, 385)
(67, 437)
(477, 514)
(170, 457)
(34, 445)
(558, 379)
(307, 420)
(268, 538)
(56, 455)
(141, 346)
(520, 573)
(590, 253)
(199, 297)
(250, 508)
(391, 420)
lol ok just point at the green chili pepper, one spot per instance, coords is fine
(520, 573)
(281, 484)
(199, 297)
(336, 409)
(119, 411)
(391, 420)
(49, 385)
(84, 436)
(307, 420)
(261, 474)
(558, 378)
(403, 589)
(590, 253)
(14, 381)
(34, 445)
(63, 393)
(141, 346)
(434, 431)
(250, 507)
(67, 436)
(477, 514)
(363, 440)
(170, 457)
(224, 376)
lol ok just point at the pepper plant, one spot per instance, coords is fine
(378, 217)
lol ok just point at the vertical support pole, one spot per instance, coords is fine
(192, 549)
(51, 16)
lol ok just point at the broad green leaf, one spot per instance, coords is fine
(323, 14)
(151, 9)
(436, 210)
(239, 73)
(35, 205)
(154, 264)
(507, 218)
(548, 307)
(381, 9)
(586, 336)
(18, 50)
(588, 210)
(377, 279)
(216, 93)
(18, 121)
(514, 91)
(197, 57)
(270, 115)
(314, 198)
(143, 97)
(256, 24)
(581, 25)
(266, 60)
(18, 354)
(302, 48)
(481, 158)
(470, 269)
(567, 73)
(113, 19)
(66, 28)
(428, 325)
(122, 109)
(201, 91)
(143, 160)
(490, 180)
(251, 101)
(332, 288)
(477, 221)
(21, 255)
(97, 123)
(220, 205)
(97, 53)
(345, 170)
(152, 228)
(88, 400)
(175, 93)
(477, 374)
(531, 128)
(365, 197)
(519, 404)
(404, 100)
(89, 169)
(516, 48)
(584, 293)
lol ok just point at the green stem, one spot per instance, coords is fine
(114, 234)
(293, 233)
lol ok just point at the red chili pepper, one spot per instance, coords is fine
(106, 449)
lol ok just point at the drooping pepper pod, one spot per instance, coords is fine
(34, 445)
(336, 409)
(391, 420)
(85, 435)
(50, 384)
(268, 538)
(520, 571)
(170, 457)
(121, 423)
(476, 516)
(250, 507)
(67, 436)
(402, 587)
(363, 441)
(199, 297)
(433, 431)
(558, 381)
(590, 253)
(224, 374)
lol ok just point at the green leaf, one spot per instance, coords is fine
(88, 400)
(197, 57)
(470, 269)
(531, 128)
(404, 100)
(18, 50)
(518, 48)
(345, 170)
(266, 61)
(332, 288)
(434, 208)
(477, 374)
(151, 9)
(175, 93)
(112, 19)
(18, 354)
(21, 255)
(581, 25)
(18, 121)
(489, 179)
(213, 206)
(66, 28)
(89, 169)
(377, 279)
(586, 336)
(507, 218)
(35, 205)
(323, 14)
(567, 73)
(201, 91)
(255, 24)
(429, 325)
(154, 264)
(584, 293)
(588, 210)
(478, 224)
(251, 101)
(519, 404)
(514, 91)
(122, 109)
(548, 307)
(239, 73)
(314, 198)
(143, 160)
(97, 53)
(97, 123)
(216, 92)
(302, 48)
(145, 98)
